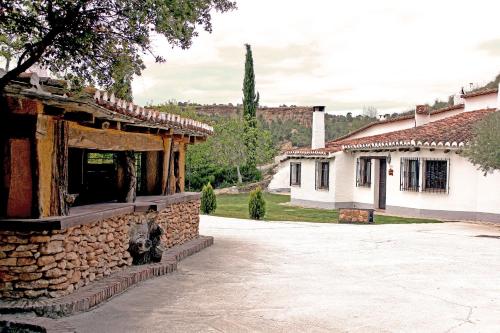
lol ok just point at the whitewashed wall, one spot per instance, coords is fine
(481, 102)
(470, 190)
(281, 179)
(384, 128)
(306, 191)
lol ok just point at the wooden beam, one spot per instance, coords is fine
(111, 139)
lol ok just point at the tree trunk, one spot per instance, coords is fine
(240, 178)
(128, 192)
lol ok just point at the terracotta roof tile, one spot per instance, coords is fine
(480, 92)
(455, 131)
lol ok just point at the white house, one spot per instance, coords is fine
(411, 165)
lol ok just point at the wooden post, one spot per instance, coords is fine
(167, 152)
(128, 192)
(182, 166)
(152, 172)
(171, 172)
(59, 191)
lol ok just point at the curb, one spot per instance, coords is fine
(90, 296)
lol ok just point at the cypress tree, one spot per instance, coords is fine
(250, 104)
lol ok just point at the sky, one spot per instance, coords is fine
(347, 55)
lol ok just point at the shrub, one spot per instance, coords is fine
(208, 199)
(257, 204)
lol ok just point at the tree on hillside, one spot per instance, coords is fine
(83, 38)
(370, 111)
(227, 145)
(250, 104)
(485, 148)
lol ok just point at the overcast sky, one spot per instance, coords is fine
(390, 54)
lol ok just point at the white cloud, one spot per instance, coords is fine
(391, 54)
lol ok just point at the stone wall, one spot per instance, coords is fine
(353, 215)
(57, 262)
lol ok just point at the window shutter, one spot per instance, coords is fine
(291, 173)
(299, 173)
(316, 177)
(401, 175)
(369, 172)
(327, 175)
(357, 172)
(448, 176)
(418, 175)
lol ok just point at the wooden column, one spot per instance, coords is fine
(182, 166)
(128, 192)
(167, 154)
(153, 172)
(59, 189)
(171, 175)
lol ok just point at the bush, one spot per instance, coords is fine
(257, 204)
(208, 200)
(250, 174)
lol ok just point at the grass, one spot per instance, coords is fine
(236, 206)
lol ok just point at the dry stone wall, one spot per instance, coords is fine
(55, 263)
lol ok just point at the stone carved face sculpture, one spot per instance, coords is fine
(144, 245)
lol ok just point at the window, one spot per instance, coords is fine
(410, 174)
(435, 175)
(363, 172)
(322, 175)
(295, 174)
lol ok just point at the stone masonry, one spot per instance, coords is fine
(354, 215)
(55, 263)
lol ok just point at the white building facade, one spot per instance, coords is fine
(415, 170)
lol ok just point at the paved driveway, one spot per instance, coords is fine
(283, 277)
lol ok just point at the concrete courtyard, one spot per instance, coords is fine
(284, 277)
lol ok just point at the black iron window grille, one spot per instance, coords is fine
(295, 173)
(322, 175)
(363, 172)
(436, 175)
(410, 174)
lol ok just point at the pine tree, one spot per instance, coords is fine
(250, 104)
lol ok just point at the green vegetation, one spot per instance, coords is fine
(208, 200)
(250, 104)
(485, 148)
(82, 39)
(256, 205)
(221, 160)
(278, 209)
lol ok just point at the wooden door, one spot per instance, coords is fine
(382, 184)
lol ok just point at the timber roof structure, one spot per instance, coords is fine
(102, 105)
(451, 132)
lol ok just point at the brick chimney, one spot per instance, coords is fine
(422, 115)
(318, 127)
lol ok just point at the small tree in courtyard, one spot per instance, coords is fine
(257, 204)
(485, 148)
(208, 200)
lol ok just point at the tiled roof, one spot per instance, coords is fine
(130, 109)
(106, 103)
(399, 118)
(454, 132)
(480, 92)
